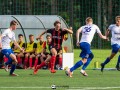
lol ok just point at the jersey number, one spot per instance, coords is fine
(87, 29)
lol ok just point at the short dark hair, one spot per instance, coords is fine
(56, 22)
(20, 35)
(13, 22)
(31, 35)
(48, 36)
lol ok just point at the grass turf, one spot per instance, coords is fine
(44, 79)
(99, 55)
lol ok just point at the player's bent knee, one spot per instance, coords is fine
(91, 55)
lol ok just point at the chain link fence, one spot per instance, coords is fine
(74, 12)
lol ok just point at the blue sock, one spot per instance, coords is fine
(77, 65)
(86, 64)
(13, 67)
(106, 61)
(118, 61)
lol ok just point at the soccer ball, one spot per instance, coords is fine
(53, 86)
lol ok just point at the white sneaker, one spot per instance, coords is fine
(68, 72)
(83, 73)
(6, 67)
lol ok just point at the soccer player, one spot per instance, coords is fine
(30, 52)
(17, 51)
(57, 34)
(45, 54)
(115, 42)
(88, 32)
(7, 36)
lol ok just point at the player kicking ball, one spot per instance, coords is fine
(88, 32)
(115, 42)
(7, 36)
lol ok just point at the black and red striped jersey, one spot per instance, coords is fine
(57, 36)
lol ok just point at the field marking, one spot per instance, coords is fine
(92, 88)
(70, 88)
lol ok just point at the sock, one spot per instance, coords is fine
(86, 64)
(118, 62)
(77, 65)
(26, 62)
(30, 62)
(60, 62)
(19, 60)
(41, 65)
(5, 59)
(49, 65)
(13, 67)
(36, 62)
(53, 58)
(106, 61)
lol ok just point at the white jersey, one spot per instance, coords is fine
(7, 36)
(115, 30)
(88, 32)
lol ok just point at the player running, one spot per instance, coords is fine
(88, 32)
(57, 34)
(115, 42)
(7, 36)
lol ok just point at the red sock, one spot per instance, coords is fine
(36, 62)
(49, 64)
(41, 65)
(60, 61)
(30, 62)
(53, 58)
(19, 60)
(5, 59)
(26, 62)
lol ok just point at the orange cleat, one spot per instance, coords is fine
(35, 71)
(14, 74)
(53, 71)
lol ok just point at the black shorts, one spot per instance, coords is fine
(56, 47)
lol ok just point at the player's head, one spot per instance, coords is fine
(13, 24)
(41, 39)
(20, 37)
(117, 19)
(48, 37)
(57, 25)
(31, 38)
(89, 20)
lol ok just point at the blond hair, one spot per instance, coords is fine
(89, 19)
(117, 18)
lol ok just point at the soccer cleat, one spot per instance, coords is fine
(117, 68)
(102, 67)
(53, 71)
(6, 67)
(83, 73)
(68, 72)
(14, 74)
(35, 71)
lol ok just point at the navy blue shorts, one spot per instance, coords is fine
(115, 48)
(85, 50)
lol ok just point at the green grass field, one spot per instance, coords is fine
(96, 80)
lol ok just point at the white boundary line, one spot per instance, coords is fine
(70, 88)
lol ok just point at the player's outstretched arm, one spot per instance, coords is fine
(102, 36)
(68, 30)
(41, 34)
(77, 36)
